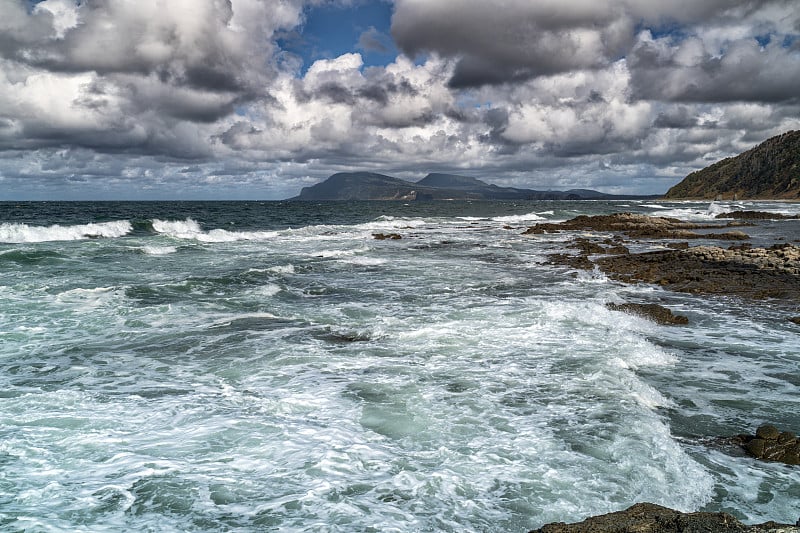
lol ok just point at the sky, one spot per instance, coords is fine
(255, 99)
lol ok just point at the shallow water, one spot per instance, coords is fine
(256, 366)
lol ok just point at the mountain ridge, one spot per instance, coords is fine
(770, 170)
(369, 186)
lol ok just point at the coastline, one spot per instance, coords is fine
(770, 274)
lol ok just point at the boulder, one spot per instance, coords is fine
(384, 236)
(771, 444)
(656, 313)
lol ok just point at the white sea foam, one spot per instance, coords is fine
(334, 254)
(282, 269)
(21, 233)
(159, 250)
(519, 218)
(459, 388)
(190, 229)
(268, 290)
(365, 261)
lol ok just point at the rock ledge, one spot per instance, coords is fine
(651, 518)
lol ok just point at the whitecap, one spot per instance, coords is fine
(268, 290)
(519, 218)
(365, 261)
(159, 250)
(19, 233)
(190, 229)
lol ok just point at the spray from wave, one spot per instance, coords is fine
(23, 233)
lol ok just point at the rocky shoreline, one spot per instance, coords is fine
(651, 518)
(734, 270)
(739, 270)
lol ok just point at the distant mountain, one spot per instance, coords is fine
(771, 170)
(435, 186)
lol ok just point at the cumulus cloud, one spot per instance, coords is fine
(691, 72)
(133, 76)
(197, 95)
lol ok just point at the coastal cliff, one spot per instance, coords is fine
(771, 170)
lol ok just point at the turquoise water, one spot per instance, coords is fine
(272, 366)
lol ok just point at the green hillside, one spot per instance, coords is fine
(771, 170)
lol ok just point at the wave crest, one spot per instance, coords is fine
(190, 229)
(22, 233)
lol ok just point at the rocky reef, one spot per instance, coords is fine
(638, 227)
(651, 518)
(753, 273)
(738, 270)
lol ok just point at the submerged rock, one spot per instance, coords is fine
(651, 518)
(656, 313)
(384, 236)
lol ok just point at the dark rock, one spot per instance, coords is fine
(656, 313)
(586, 246)
(678, 245)
(752, 273)
(756, 215)
(384, 236)
(633, 225)
(581, 262)
(767, 432)
(651, 518)
(770, 444)
(795, 319)
(617, 250)
(729, 236)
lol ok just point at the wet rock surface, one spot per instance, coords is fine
(637, 227)
(655, 312)
(651, 518)
(754, 273)
(769, 444)
(756, 215)
(739, 270)
(385, 236)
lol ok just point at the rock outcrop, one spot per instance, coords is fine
(655, 312)
(755, 272)
(771, 170)
(771, 444)
(756, 215)
(637, 227)
(651, 518)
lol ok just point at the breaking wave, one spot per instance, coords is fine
(22, 233)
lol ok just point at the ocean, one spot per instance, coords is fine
(271, 366)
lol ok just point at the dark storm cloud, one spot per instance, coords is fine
(524, 40)
(744, 72)
(335, 93)
(680, 118)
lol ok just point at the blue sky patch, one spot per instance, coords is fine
(332, 30)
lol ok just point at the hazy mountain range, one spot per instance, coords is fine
(771, 170)
(434, 186)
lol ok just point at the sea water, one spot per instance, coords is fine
(273, 366)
